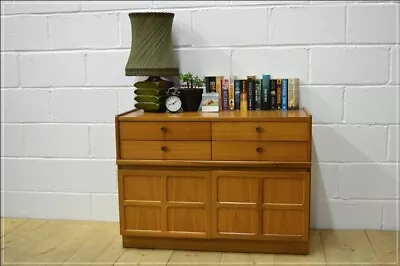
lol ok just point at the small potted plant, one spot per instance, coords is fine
(191, 91)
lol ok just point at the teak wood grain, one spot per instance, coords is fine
(215, 181)
(165, 131)
(166, 150)
(277, 115)
(260, 151)
(260, 131)
(165, 203)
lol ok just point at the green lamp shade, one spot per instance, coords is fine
(151, 52)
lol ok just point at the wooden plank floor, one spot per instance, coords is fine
(52, 242)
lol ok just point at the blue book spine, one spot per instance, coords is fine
(284, 94)
(265, 89)
(237, 94)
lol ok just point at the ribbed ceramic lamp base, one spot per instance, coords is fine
(151, 93)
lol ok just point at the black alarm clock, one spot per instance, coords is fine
(173, 103)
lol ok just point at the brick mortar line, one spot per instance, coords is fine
(387, 150)
(346, 24)
(61, 159)
(195, 47)
(385, 163)
(58, 192)
(153, 7)
(344, 106)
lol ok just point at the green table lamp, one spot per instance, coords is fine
(152, 55)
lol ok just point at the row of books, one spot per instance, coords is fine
(254, 93)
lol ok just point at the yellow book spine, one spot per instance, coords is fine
(243, 96)
(231, 98)
(218, 84)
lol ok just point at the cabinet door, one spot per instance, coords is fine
(165, 203)
(260, 205)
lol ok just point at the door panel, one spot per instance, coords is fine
(283, 222)
(237, 221)
(184, 219)
(165, 203)
(142, 218)
(283, 190)
(237, 189)
(186, 189)
(260, 205)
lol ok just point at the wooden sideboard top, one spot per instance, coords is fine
(268, 115)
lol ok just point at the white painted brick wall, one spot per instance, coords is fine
(102, 141)
(378, 181)
(57, 140)
(47, 205)
(324, 181)
(172, 4)
(361, 105)
(63, 81)
(26, 174)
(346, 214)
(80, 175)
(26, 105)
(356, 65)
(89, 105)
(25, 33)
(297, 25)
(114, 5)
(12, 140)
(77, 31)
(395, 63)
(350, 143)
(203, 59)
(285, 62)
(126, 97)
(230, 27)
(52, 69)
(105, 207)
(371, 24)
(28, 7)
(107, 68)
(9, 75)
(325, 103)
(393, 144)
(390, 216)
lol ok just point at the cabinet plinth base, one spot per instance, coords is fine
(222, 245)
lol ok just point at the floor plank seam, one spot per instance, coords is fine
(373, 248)
(322, 244)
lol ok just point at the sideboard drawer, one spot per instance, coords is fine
(260, 151)
(284, 131)
(166, 150)
(165, 131)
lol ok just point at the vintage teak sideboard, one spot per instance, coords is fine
(227, 181)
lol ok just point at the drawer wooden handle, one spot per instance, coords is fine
(259, 149)
(164, 148)
(259, 129)
(164, 130)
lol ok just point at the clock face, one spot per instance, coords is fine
(173, 104)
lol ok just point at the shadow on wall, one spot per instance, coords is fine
(340, 191)
(319, 198)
